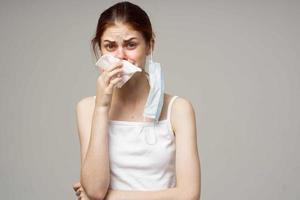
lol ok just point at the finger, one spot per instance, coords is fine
(78, 192)
(111, 75)
(106, 80)
(76, 185)
(114, 73)
(114, 82)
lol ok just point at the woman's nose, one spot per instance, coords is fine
(120, 54)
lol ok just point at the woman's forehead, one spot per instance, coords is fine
(120, 33)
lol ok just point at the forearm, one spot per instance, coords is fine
(95, 171)
(166, 194)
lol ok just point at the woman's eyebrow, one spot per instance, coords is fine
(130, 39)
(108, 41)
(123, 40)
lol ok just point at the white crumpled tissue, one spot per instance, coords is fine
(129, 69)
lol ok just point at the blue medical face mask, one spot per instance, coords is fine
(155, 100)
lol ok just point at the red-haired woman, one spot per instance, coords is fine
(122, 155)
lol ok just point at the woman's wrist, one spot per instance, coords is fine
(103, 109)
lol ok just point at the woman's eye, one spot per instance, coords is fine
(109, 46)
(131, 45)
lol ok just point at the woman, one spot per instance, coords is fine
(117, 159)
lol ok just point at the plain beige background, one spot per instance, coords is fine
(236, 61)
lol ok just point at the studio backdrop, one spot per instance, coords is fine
(236, 61)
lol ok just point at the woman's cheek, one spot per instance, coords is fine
(137, 57)
(133, 58)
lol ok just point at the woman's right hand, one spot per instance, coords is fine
(106, 83)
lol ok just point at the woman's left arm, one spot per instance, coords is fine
(188, 173)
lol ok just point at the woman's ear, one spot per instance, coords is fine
(150, 46)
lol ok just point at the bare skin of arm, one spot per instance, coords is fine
(94, 174)
(92, 124)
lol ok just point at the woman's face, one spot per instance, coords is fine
(125, 43)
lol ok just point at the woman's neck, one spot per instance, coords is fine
(135, 90)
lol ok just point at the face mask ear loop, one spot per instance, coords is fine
(151, 55)
(150, 62)
(144, 118)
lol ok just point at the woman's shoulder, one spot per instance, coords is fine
(183, 104)
(180, 104)
(181, 109)
(180, 101)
